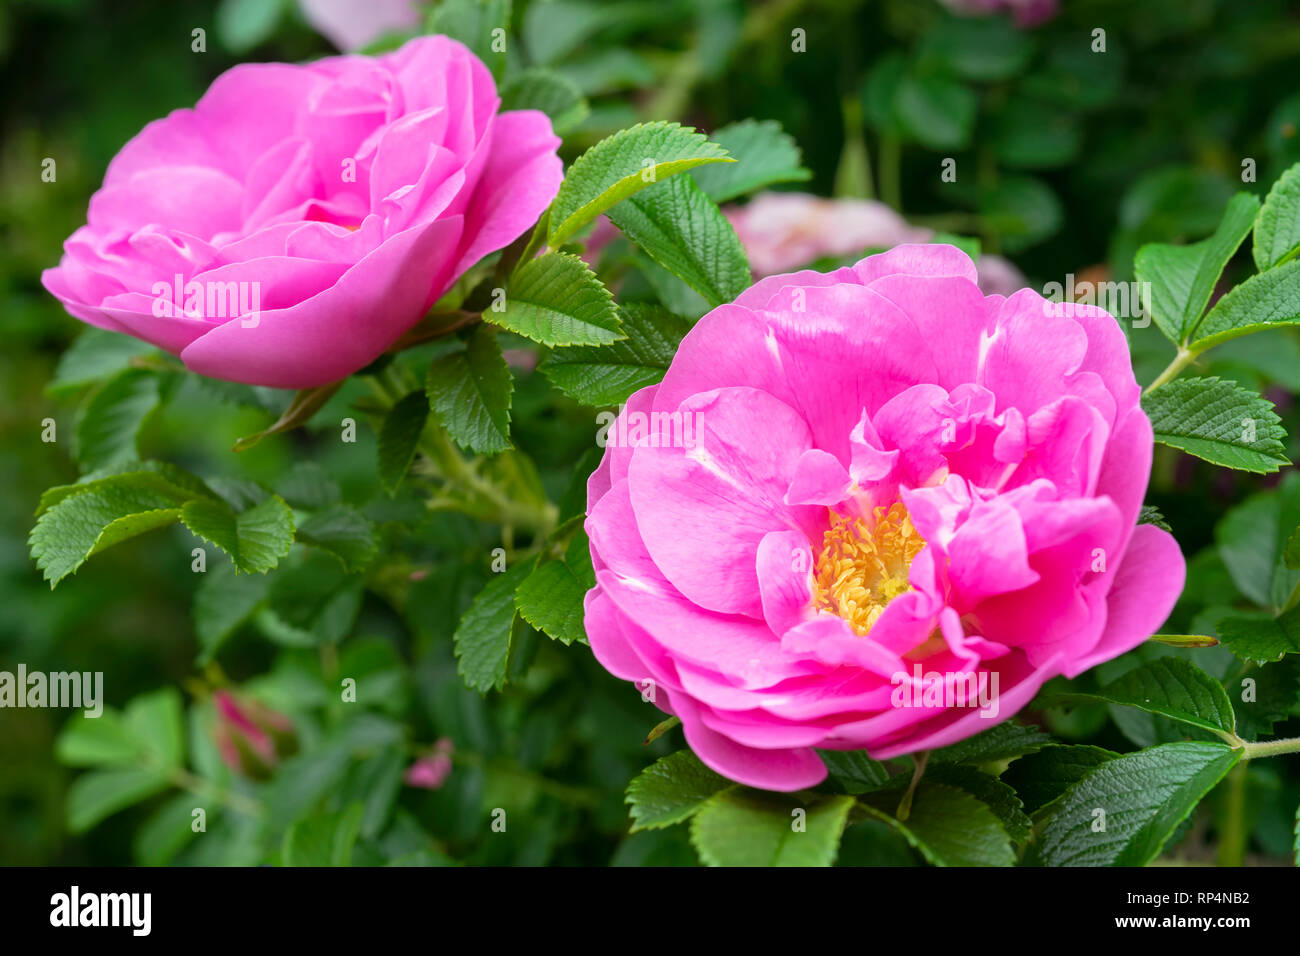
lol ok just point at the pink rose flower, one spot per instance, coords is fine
(288, 229)
(250, 738)
(431, 771)
(782, 232)
(874, 509)
(352, 24)
(1027, 13)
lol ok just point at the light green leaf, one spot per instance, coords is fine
(157, 721)
(1144, 796)
(101, 793)
(1218, 421)
(622, 164)
(682, 229)
(935, 110)
(551, 598)
(344, 532)
(306, 485)
(743, 827)
(949, 827)
(323, 840)
(86, 523)
(671, 790)
(1277, 231)
(223, 602)
(95, 355)
(472, 22)
(1252, 539)
(1267, 300)
(112, 418)
(168, 831)
(765, 155)
(608, 375)
(553, 93)
(243, 24)
(255, 539)
(103, 741)
(557, 300)
(483, 636)
(469, 392)
(1182, 278)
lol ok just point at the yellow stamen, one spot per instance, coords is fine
(862, 567)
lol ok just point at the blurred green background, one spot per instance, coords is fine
(1068, 160)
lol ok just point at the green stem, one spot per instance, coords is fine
(905, 805)
(1184, 358)
(202, 788)
(1269, 748)
(891, 158)
(1232, 841)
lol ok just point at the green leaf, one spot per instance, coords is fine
(470, 391)
(94, 356)
(1033, 135)
(472, 22)
(306, 485)
(682, 229)
(949, 827)
(86, 523)
(1267, 300)
(853, 770)
(1022, 209)
(224, 601)
(989, 790)
(551, 598)
(935, 110)
(608, 375)
(765, 155)
(1277, 231)
(1252, 540)
(983, 49)
(157, 721)
(112, 418)
(622, 164)
(1174, 688)
(1262, 639)
(999, 742)
(743, 827)
(1150, 514)
(103, 741)
(101, 793)
(243, 24)
(553, 93)
(255, 539)
(399, 436)
(1182, 278)
(483, 636)
(1218, 421)
(1144, 795)
(671, 790)
(305, 404)
(557, 300)
(344, 532)
(1039, 778)
(168, 831)
(323, 840)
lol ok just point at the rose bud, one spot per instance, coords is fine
(251, 738)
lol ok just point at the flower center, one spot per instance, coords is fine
(863, 567)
